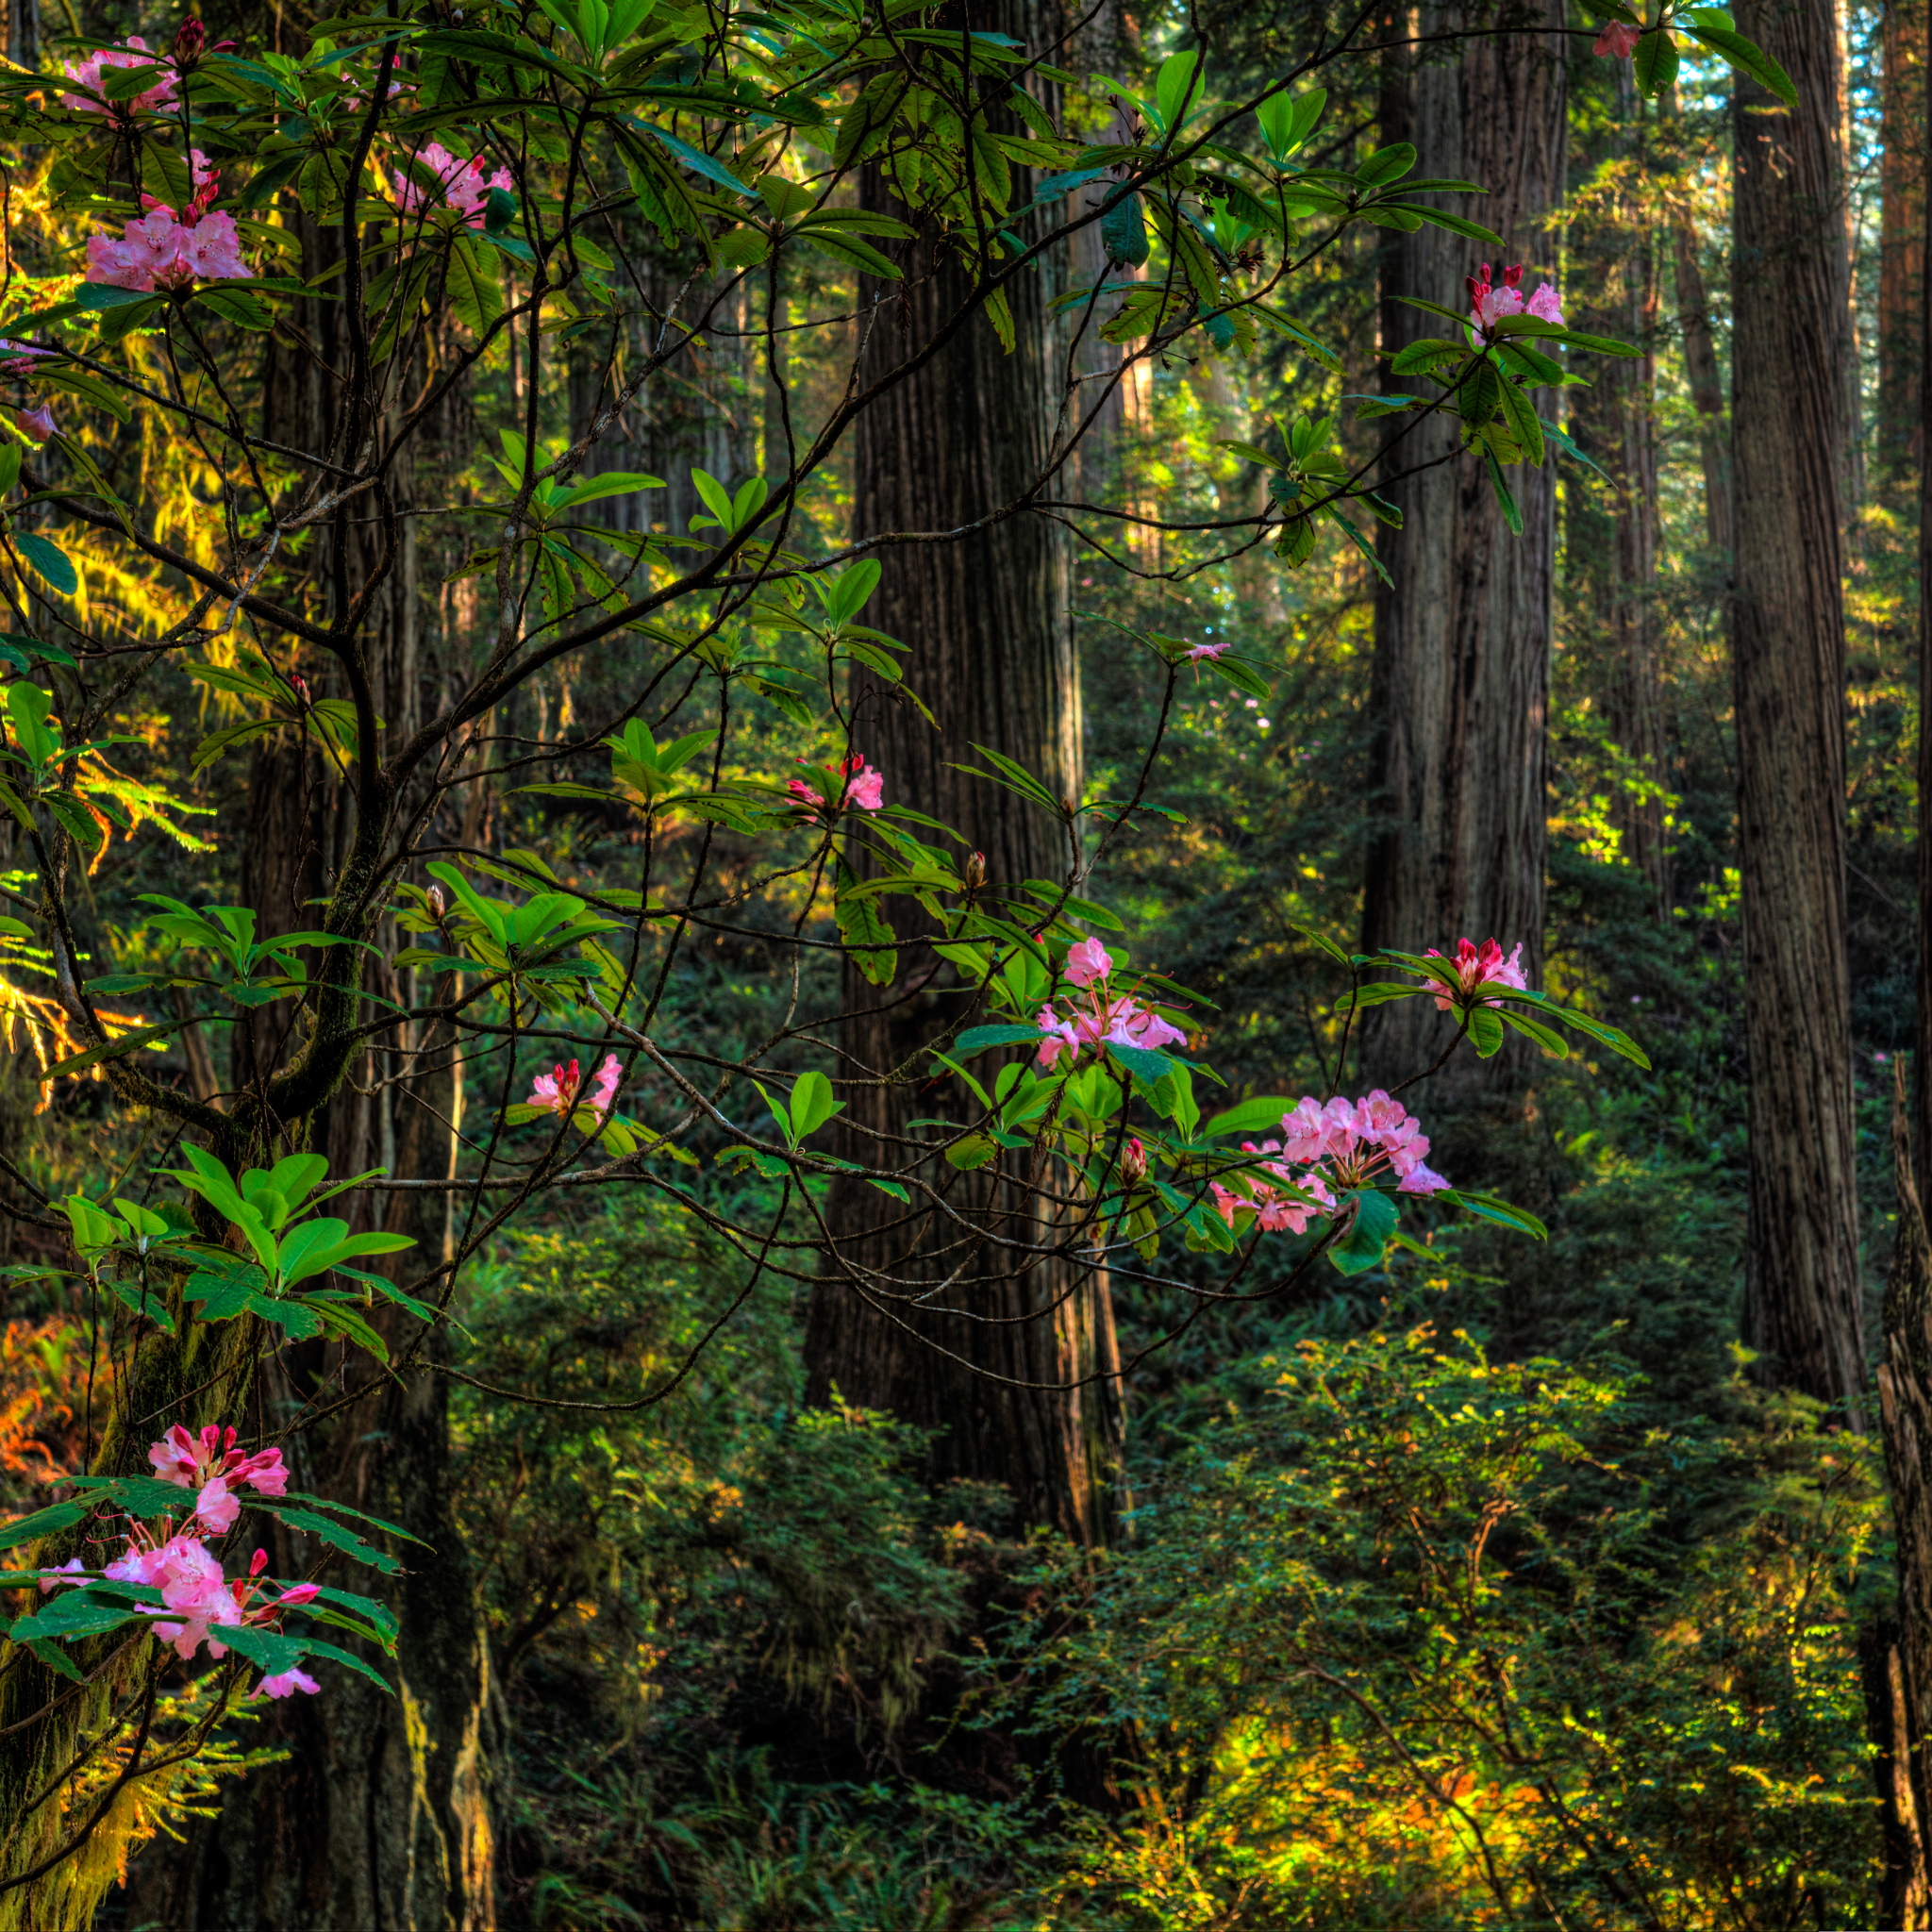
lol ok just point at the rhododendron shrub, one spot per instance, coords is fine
(516, 899)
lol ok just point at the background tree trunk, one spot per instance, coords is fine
(993, 654)
(1788, 428)
(1611, 532)
(1900, 441)
(1462, 639)
(1896, 1651)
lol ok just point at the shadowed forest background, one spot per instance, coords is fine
(1500, 1585)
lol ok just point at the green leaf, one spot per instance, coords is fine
(1488, 1208)
(1387, 164)
(71, 1613)
(1511, 514)
(474, 287)
(694, 158)
(48, 562)
(1124, 231)
(267, 1650)
(870, 941)
(1656, 65)
(316, 1647)
(1552, 1044)
(977, 1038)
(896, 1189)
(1143, 1062)
(239, 307)
(113, 1049)
(1740, 52)
(1455, 224)
(28, 1529)
(1362, 1246)
(812, 1103)
(1525, 425)
(339, 1538)
(1484, 1032)
(1263, 1113)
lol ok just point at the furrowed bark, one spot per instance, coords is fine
(1788, 426)
(993, 655)
(1462, 639)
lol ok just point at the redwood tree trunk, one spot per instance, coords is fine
(1788, 363)
(1462, 639)
(1896, 1651)
(991, 654)
(1611, 533)
(1901, 238)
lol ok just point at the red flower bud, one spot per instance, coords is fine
(190, 38)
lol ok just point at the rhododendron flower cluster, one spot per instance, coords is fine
(557, 1090)
(198, 1599)
(134, 51)
(860, 786)
(465, 187)
(160, 252)
(1326, 1151)
(1477, 968)
(1105, 1018)
(1489, 305)
(190, 1580)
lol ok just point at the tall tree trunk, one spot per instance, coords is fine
(1707, 388)
(380, 1816)
(1901, 240)
(1462, 638)
(1896, 1651)
(1612, 533)
(1788, 346)
(991, 654)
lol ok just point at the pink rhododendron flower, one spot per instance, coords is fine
(1275, 1210)
(134, 51)
(1618, 40)
(1347, 1144)
(1219, 648)
(1112, 1019)
(1476, 969)
(1489, 305)
(52, 1579)
(192, 1461)
(557, 1090)
(1088, 961)
(216, 1508)
(35, 424)
(859, 784)
(158, 252)
(19, 357)
(464, 186)
(285, 1682)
